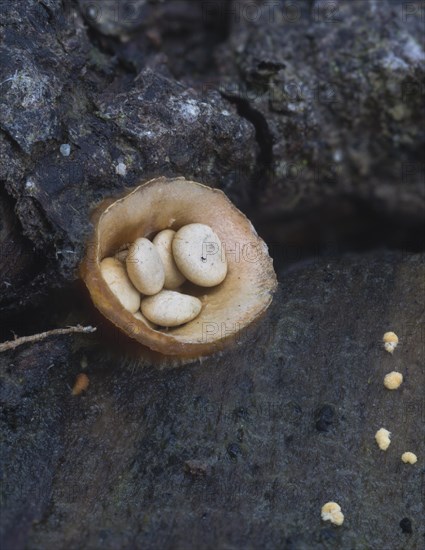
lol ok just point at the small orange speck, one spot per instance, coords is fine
(81, 384)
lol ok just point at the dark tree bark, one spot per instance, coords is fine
(311, 121)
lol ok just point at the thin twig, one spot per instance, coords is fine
(12, 344)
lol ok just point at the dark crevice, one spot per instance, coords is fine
(187, 38)
(264, 140)
(51, 309)
(47, 9)
(108, 46)
(217, 18)
(13, 143)
(262, 131)
(342, 226)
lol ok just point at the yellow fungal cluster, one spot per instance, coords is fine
(390, 341)
(383, 440)
(393, 380)
(409, 458)
(331, 511)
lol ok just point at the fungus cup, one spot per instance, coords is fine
(227, 309)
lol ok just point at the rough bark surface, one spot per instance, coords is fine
(309, 115)
(337, 91)
(238, 451)
(122, 127)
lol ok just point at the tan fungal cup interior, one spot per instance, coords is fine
(228, 308)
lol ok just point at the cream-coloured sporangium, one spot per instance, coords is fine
(409, 458)
(390, 341)
(331, 511)
(144, 267)
(393, 380)
(115, 275)
(382, 438)
(170, 308)
(163, 242)
(200, 255)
